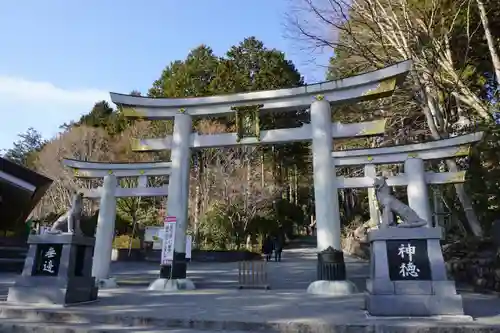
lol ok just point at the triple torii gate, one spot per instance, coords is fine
(414, 176)
(318, 98)
(108, 194)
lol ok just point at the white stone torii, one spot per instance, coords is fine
(141, 170)
(367, 86)
(317, 97)
(107, 209)
(414, 176)
(275, 136)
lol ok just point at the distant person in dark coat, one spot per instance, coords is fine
(278, 248)
(267, 248)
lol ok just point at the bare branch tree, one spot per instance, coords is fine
(495, 59)
(380, 32)
(83, 143)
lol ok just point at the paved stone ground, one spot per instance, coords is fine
(217, 303)
(296, 270)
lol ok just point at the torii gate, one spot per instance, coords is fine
(414, 176)
(318, 98)
(108, 194)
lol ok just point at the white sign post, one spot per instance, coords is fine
(167, 251)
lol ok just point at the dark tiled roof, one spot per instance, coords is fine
(17, 204)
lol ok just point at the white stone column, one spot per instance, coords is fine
(177, 205)
(371, 171)
(325, 187)
(142, 181)
(105, 232)
(418, 195)
(331, 273)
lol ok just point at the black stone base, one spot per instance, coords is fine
(331, 265)
(177, 270)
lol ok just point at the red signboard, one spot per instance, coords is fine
(170, 219)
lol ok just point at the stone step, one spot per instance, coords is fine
(14, 247)
(11, 265)
(25, 326)
(9, 252)
(25, 319)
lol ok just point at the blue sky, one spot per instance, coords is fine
(59, 57)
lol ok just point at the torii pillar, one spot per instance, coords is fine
(331, 270)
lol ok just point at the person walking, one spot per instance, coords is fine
(278, 248)
(267, 248)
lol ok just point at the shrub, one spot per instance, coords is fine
(122, 242)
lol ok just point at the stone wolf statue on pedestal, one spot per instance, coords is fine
(388, 204)
(71, 219)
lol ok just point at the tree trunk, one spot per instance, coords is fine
(466, 202)
(249, 243)
(290, 185)
(296, 184)
(428, 103)
(495, 59)
(134, 224)
(196, 219)
(140, 235)
(197, 195)
(262, 170)
(248, 163)
(205, 192)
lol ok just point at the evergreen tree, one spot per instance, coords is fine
(24, 150)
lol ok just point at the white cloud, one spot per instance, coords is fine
(42, 105)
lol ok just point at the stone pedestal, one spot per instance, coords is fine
(57, 270)
(408, 275)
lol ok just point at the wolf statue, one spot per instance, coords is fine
(388, 204)
(71, 219)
